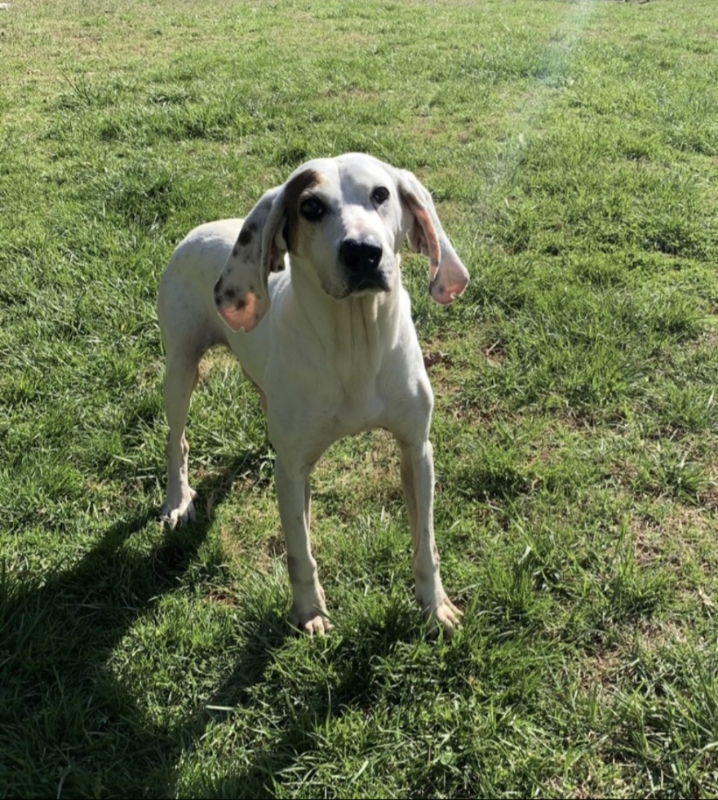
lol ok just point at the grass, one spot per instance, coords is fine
(572, 150)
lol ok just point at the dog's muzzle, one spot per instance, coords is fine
(362, 260)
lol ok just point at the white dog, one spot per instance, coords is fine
(329, 342)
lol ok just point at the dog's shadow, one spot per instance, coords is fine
(56, 639)
(77, 724)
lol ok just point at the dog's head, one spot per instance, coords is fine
(343, 221)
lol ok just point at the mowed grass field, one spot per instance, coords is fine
(572, 150)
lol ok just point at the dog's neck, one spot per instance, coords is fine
(355, 332)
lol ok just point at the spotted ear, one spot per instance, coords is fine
(448, 277)
(242, 292)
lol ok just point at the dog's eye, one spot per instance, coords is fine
(312, 209)
(380, 195)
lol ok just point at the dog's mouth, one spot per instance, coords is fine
(357, 287)
(359, 284)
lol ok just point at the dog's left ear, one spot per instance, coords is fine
(448, 277)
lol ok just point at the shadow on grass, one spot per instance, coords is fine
(66, 727)
(70, 728)
(304, 709)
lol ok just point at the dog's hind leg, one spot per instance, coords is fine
(190, 325)
(180, 380)
(186, 336)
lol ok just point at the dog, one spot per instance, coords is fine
(307, 292)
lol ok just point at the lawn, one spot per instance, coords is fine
(572, 151)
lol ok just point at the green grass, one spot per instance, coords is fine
(572, 149)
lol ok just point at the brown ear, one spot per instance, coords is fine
(266, 234)
(448, 277)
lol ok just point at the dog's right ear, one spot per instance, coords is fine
(242, 291)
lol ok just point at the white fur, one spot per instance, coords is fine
(327, 363)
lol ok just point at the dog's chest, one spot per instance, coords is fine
(356, 374)
(357, 407)
(318, 413)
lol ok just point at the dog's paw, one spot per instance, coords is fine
(309, 610)
(312, 620)
(175, 514)
(317, 625)
(444, 617)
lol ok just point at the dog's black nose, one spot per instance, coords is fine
(360, 257)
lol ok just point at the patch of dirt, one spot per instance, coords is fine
(433, 357)
(218, 359)
(495, 354)
(687, 534)
(222, 596)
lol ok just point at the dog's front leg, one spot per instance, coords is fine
(417, 474)
(309, 612)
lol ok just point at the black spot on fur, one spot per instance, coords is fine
(230, 294)
(245, 236)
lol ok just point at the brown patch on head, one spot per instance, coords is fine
(292, 192)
